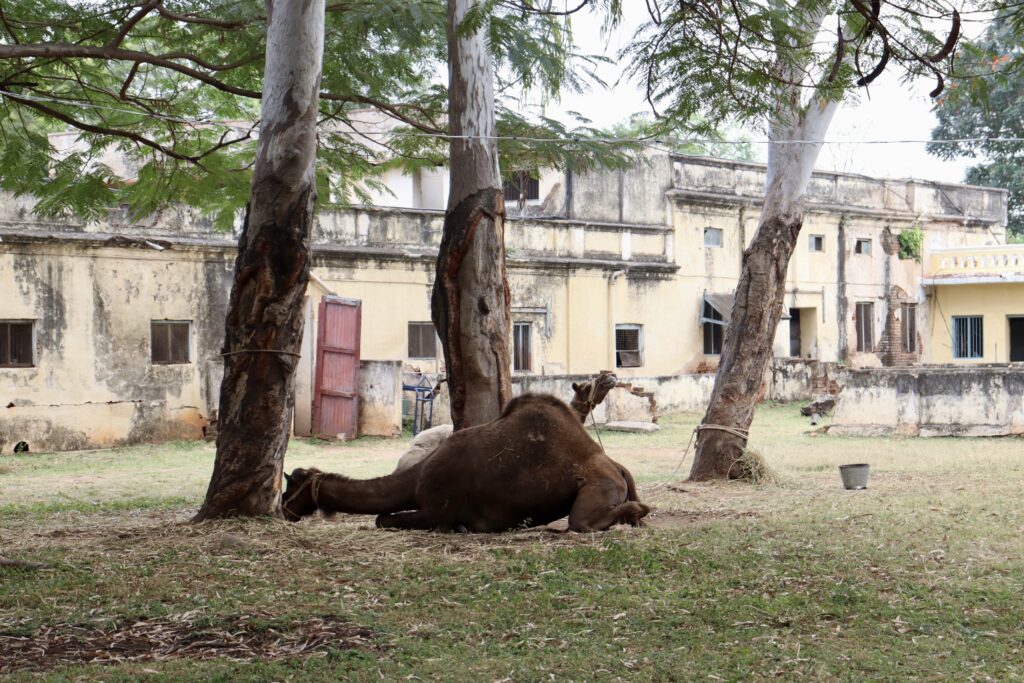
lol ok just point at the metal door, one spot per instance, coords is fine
(335, 392)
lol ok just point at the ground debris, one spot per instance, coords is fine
(245, 638)
(20, 564)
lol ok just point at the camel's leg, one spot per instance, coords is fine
(594, 511)
(424, 520)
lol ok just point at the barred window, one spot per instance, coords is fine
(968, 341)
(522, 347)
(629, 351)
(169, 342)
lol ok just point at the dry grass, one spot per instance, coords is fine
(918, 577)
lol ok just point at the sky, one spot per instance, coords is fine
(888, 111)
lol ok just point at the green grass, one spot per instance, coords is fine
(917, 578)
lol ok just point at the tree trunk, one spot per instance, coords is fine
(760, 294)
(264, 323)
(470, 303)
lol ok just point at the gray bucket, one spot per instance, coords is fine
(855, 477)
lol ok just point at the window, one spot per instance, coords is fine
(817, 243)
(712, 237)
(422, 340)
(908, 316)
(967, 336)
(16, 346)
(169, 342)
(521, 184)
(522, 352)
(865, 327)
(862, 247)
(714, 334)
(629, 346)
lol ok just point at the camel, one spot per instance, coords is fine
(533, 465)
(585, 397)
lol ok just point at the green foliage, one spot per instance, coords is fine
(706, 62)
(988, 103)
(176, 96)
(911, 242)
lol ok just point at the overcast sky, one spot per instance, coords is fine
(890, 111)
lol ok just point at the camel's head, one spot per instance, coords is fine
(591, 393)
(299, 499)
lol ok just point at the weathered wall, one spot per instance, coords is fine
(932, 401)
(380, 398)
(93, 383)
(804, 380)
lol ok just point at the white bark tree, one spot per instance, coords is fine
(470, 304)
(765, 62)
(264, 324)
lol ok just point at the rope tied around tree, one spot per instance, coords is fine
(735, 431)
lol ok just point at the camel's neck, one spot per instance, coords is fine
(393, 493)
(581, 408)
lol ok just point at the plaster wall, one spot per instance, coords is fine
(92, 360)
(994, 302)
(932, 401)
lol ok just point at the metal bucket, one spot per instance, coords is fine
(855, 477)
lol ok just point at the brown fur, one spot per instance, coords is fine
(533, 465)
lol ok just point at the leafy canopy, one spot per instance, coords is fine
(172, 87)
(986, 105)
(711, 62)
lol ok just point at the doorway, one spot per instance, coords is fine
(1016, 338)
(794, 333)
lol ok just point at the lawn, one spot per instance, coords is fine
(917, 578)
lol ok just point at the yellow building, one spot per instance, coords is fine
(976, 304)
(110, 333)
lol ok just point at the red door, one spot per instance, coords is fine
(335, 395)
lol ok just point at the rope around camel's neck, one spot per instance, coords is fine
(313, 482)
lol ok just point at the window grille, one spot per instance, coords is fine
(968, 341)
(522, 351)
(628, 346)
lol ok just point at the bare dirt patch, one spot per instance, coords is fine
(256, 637)
(681, 519)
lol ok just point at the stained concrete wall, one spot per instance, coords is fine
(932, 401)
(92, 383)
(380, 398)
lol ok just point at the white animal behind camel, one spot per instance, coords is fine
(586, 396)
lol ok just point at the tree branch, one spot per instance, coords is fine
(101, 130)
(130, 24)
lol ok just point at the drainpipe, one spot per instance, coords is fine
(841, 303)
(611, 316)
